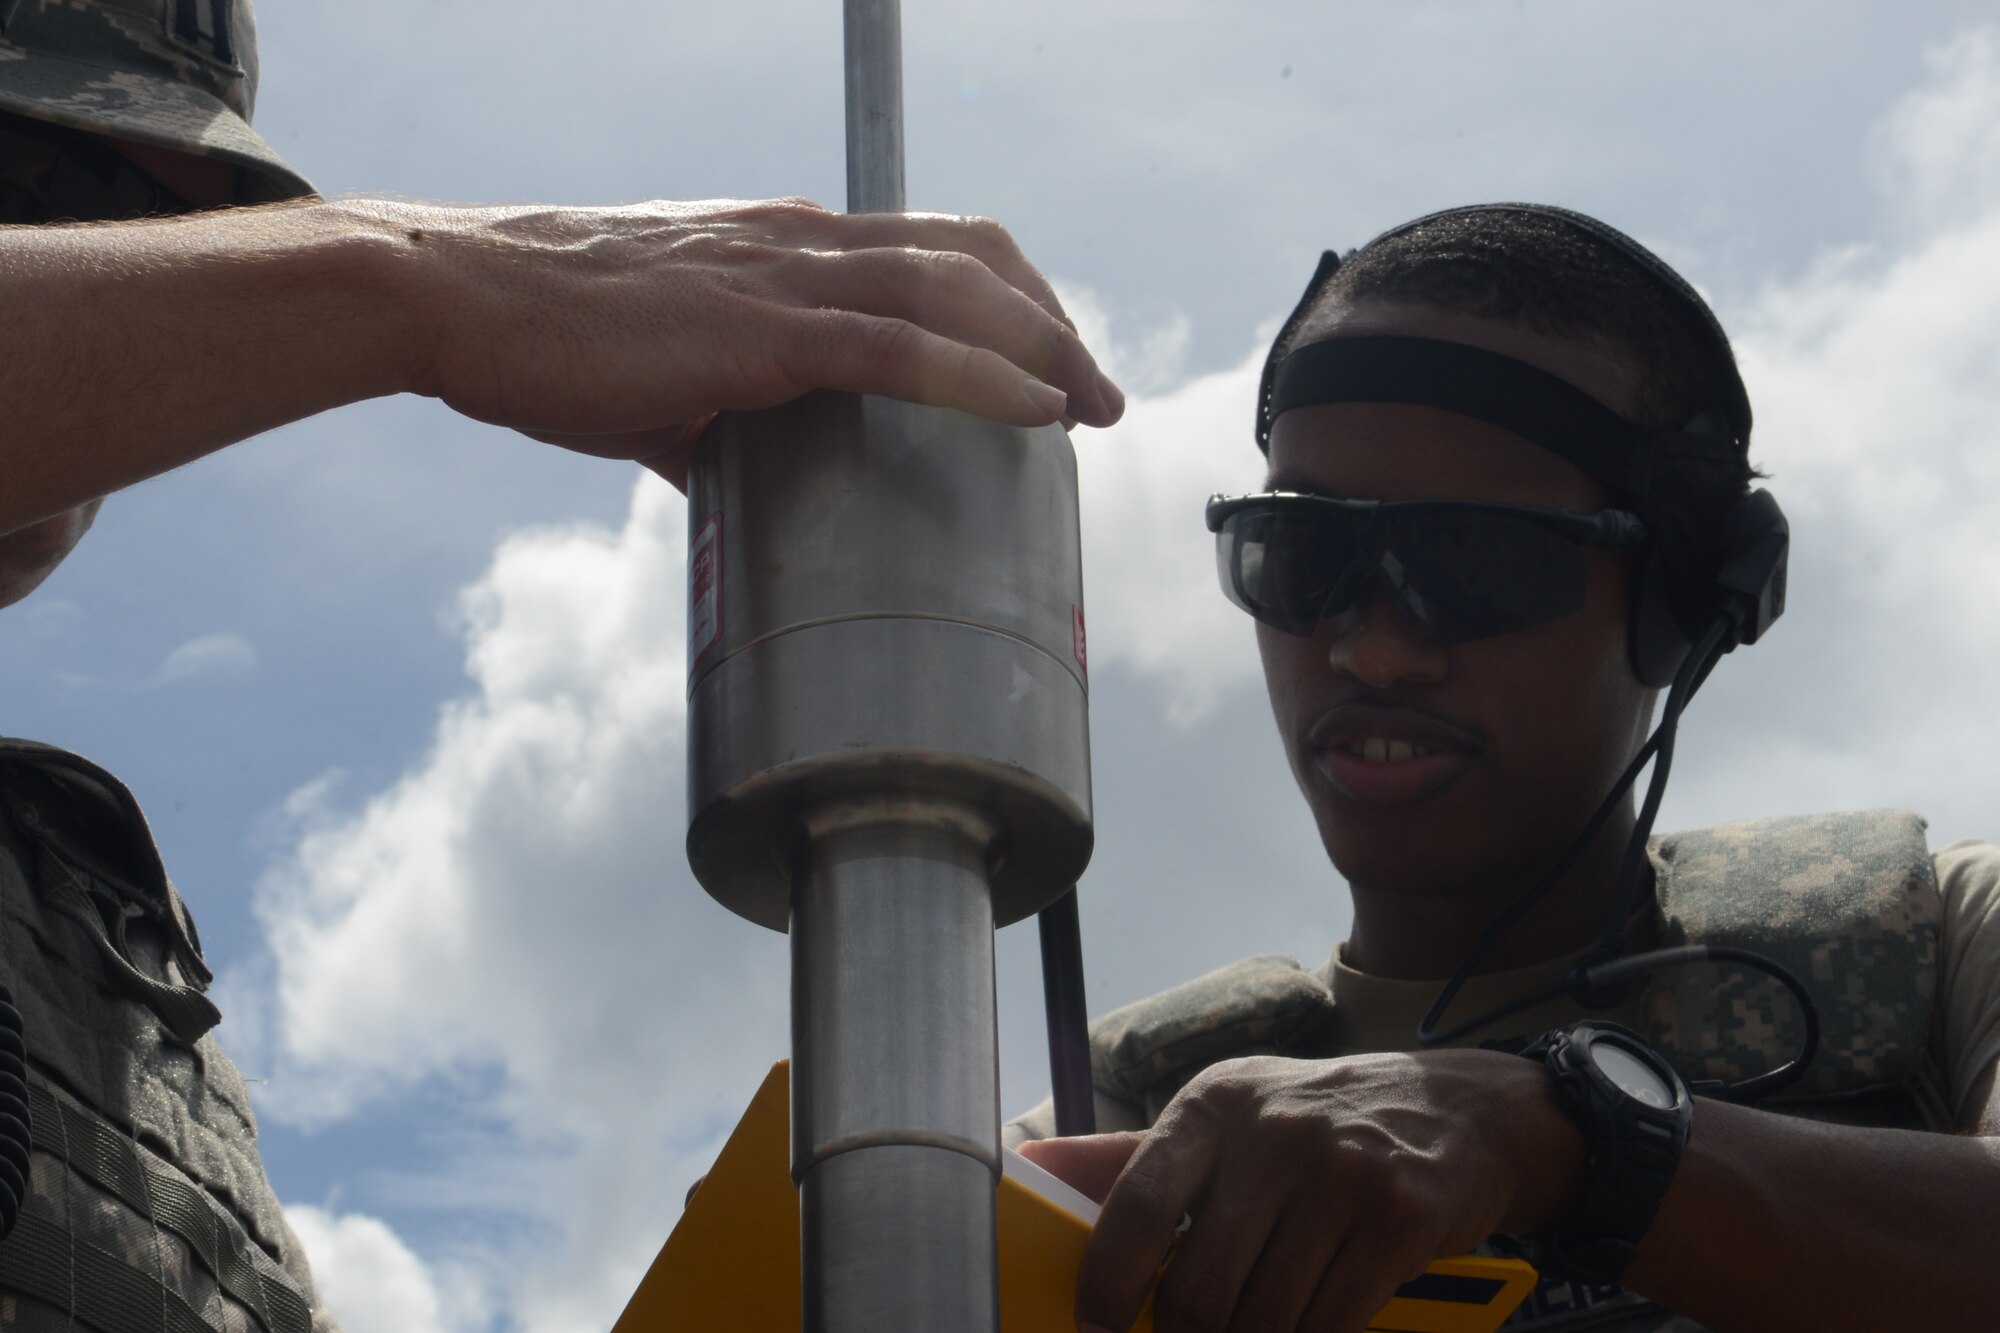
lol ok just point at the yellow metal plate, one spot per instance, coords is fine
(732, 1261)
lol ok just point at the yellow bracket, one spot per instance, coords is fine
(732, 1261)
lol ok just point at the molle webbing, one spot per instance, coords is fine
(117, 1237)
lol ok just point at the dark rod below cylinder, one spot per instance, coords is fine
(1068, 1017)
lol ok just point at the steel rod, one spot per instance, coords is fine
(895, 1080)
(874, 40)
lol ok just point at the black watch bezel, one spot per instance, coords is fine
(1631, 1152)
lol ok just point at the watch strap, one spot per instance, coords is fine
(1631, 1153)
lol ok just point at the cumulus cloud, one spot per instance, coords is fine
(374, 1283)
(1876, 410)
(516, 911)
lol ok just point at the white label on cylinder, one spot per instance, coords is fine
(705, 589)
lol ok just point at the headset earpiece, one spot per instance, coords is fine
(1747, 590)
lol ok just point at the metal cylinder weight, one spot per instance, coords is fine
(888, 755)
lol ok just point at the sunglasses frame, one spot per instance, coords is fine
(1617, 530)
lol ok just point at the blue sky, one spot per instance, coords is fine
(401, 692)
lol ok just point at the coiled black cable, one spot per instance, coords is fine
(14, 1121)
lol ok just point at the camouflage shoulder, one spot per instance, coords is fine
(1146, 1051)
(1847, 902)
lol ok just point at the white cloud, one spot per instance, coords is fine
(1149, 572)
(517, 905)
(208, 657)
(374, 1283)
(1873, 379)
(1937, 149)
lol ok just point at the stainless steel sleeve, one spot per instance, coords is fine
(895, 1091)
(884, 598)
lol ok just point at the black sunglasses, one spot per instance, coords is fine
(51, 173)
(1463, 569)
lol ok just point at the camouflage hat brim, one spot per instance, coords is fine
(127, 104)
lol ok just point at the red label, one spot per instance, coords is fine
(704, 589)
(1082, 657)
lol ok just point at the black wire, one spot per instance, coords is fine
(1692, 667)
(1700, 661)
(1068, 1017)
(1750, 1089)
(1602, 969)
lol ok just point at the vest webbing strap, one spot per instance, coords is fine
(98, 1153)
(42, 1260)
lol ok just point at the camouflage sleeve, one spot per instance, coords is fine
(1965, 1030)
(1113, 1114)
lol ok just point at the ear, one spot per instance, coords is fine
(1658, 644)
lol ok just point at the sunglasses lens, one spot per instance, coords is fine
(1283, 564)
(1468, 574)
(1463, 573)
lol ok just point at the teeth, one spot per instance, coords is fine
(1376, 750)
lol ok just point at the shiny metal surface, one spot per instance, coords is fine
(888, 751)
(899, 611)
(874, 47)
(899, 1240)
(893, 1020)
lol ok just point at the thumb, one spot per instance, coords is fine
(1089, 1163)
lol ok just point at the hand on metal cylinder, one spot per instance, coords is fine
(620, 332)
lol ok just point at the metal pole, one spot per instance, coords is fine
(874, 41)
(888, 756)
(895, 1076)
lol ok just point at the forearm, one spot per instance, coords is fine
(129, 349)
(1780, 1223)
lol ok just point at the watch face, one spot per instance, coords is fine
(1633, 1076)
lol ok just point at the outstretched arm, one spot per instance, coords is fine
(131, 348)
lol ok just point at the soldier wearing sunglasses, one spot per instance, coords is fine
(171, 287)
(1510, 521)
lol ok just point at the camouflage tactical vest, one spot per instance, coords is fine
(1848, 903)
(148, 1208)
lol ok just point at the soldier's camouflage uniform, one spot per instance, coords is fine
(178, 74)
(1849, 903)
(148, 1208)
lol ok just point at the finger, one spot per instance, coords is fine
(958, 296)
(1287, 1273)
(1165, 1176)
(1359, 1282)
(1205, 1284)
(1089, 1163)
(842, 349)
(982, 238)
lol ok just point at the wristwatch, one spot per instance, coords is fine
(1635, 1114)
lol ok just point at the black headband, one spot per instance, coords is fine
(1508, 393)
(1485, 385)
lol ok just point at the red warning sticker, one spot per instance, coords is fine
(1082, 656)
(705, 589)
